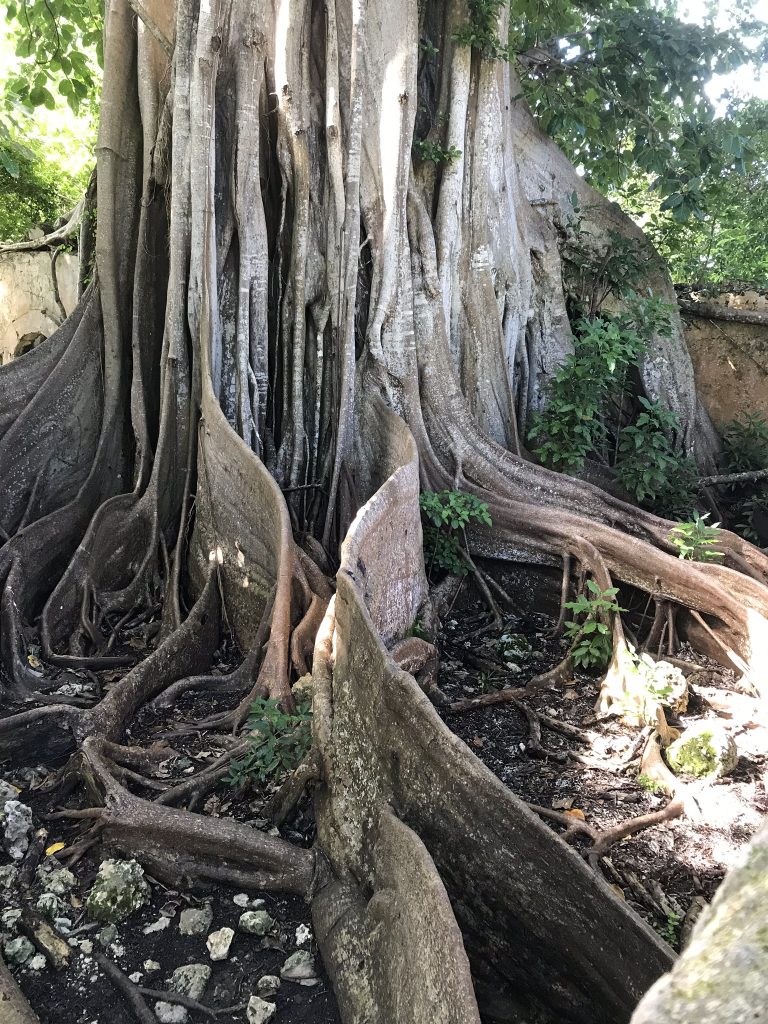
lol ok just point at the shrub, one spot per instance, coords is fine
(445, 516)
(695, 540)
(278, 742)
(745, 444)
(591, 637)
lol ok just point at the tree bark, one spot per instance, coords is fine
(294, 324)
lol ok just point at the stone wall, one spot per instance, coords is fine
(730, 356)
(30, 309)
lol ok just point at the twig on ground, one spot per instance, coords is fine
(127, 989)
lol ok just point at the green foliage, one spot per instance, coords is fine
(728, 244)
(573, 425)
(58, 45)
(670, 930)
(589, 631)
(648, 784)
(695, 540)
(481, 30)
(417, 629)
(434, 153)
(745, 444)
(646, 456)
(621, 87)
(445, 516)
(37, 190)
(278, 742)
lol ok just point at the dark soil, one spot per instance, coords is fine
(81, 993)
(674, 862)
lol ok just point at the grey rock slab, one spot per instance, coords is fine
(259, 1011)
(218, 943)
(119, 890)
(256, 922)
(17, 824)
(196, 921)
(190, 980)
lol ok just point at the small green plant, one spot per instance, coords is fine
(445, 516)
(513, 648)
(745, 444)
(278, 742)
(428, 48)
(573, 424)
(648, 784)
(434, 153)
(670, 930)
(589, 631)
(695, 540)
(481, 30)
(645, 460)
(418, 630)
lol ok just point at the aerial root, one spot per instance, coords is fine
(564, 589)
(290, 792)
(504, 696)
(604, 839)
(199, 785)
(560, 675)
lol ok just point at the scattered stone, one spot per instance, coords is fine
(218, 943)
(303, 934)
(50, 906)
(8, 792)
(86, 946)
(150, 966)
(118, 891)
(303, 689)
(18, 951)
(190, 980)
(59, 881)
(37, 963)
(7, 876)
(300, 967)
(171, 1013)
(107, 935)
(705, 750)
(241, 900)
(117, 950)
(259, 1011)
(268, 986)
(10, 917)
(63, 925)
(136, 977)
(196, 922)
(256, 922)
(17, 824)
(159, 926)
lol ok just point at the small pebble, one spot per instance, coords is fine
(158, 926)
(268, 986)
(259, 1011)
(255, 922)
(218, 943)
(37, 963)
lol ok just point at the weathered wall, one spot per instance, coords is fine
(730, 359)
(29, 305)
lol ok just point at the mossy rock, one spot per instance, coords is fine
(705, 750)
(118, 891)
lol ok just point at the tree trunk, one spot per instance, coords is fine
(292, 326)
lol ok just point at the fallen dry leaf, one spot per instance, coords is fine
(576, 813)
(54, 848)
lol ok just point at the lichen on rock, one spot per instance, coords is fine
(705, 750)
(118, 891)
